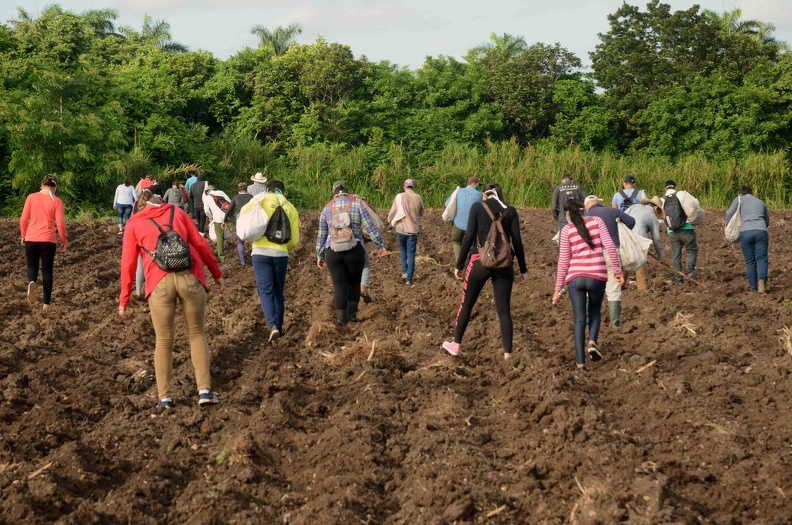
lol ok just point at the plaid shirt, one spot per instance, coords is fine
(360, 222)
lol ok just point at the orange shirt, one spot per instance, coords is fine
(42, 212)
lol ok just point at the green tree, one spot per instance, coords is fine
(278, 40)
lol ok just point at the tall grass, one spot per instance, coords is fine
(527, 174)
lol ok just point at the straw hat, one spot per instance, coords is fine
(654, 200)
(259, 177)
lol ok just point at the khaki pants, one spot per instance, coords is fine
(219, 230)
(457, 236)
(162, 304)
(613, 289)
(642, 278)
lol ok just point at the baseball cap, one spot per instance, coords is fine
(339, 184)
(670, 184)
(629, 179)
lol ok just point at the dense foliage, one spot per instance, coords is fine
(667, 90)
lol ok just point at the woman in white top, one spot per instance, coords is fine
(123, 202)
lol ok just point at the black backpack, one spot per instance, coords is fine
(279, 227)
(171, 254)
(628, 201)
(674, 213)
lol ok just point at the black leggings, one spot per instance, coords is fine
(586, 295)
(346, 268)
(43, 253)
(475, 278)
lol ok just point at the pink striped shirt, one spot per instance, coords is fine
(577, 259)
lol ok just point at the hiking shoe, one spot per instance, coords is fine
(274, 334)
(366, 298)
(31, 291)
(451, 347)
(208, 398)
(166, 403)
(593, 352)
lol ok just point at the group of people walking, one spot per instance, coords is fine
(165, 251)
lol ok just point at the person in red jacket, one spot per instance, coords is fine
(165, 289)
(43, 212)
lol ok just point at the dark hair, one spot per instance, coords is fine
(745, 190)
(276, 185)
(566, 176)
(241, 186)
(50, 181)
(575, 209)
(127, 182)
(339, 188)
(494, 186)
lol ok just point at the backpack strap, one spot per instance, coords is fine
(625, 197)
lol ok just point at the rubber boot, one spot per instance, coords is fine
(762, 287)
(352, 313)
(615, 313)
(341, 317)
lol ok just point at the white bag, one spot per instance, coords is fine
(735, 223)
(450, 211)
(251, 224)
(633, 249)
(212, 233)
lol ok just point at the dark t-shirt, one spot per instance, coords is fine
(478, 228)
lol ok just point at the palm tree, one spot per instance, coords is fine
(154, 32)
(732, 23)
(102, 20)
(509, 45)
(279, 40)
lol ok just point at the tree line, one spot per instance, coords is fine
(94, 103)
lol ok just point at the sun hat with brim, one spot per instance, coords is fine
(259, 177)
(654, 200)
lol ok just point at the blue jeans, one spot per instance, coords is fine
(241, 251)
(408, 245)
(270, 283)
(754, 247)
(586, 295)
(124, 211)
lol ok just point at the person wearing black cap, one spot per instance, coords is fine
(682, 212)
(627, 196)
(566, 191)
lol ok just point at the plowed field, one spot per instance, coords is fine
(687, 420)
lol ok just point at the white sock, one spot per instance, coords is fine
(203, 391)
(164, 399)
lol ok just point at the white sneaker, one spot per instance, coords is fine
(274, 334)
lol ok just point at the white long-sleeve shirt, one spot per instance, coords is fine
(125, 195)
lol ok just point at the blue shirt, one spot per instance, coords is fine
(633, 194)
(465, 199)
(189, 182)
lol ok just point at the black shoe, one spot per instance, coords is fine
(352, 313)
(341, 317)
(366, 298)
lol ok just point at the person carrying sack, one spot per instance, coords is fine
(491, 241)
(682, 213)
(216, 206)
(462, 199)
(753, 219)
(174, 255)
(270, 253)
(339, 246)
(405, 217)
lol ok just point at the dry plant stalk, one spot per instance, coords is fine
(786, 339)
(683, 322)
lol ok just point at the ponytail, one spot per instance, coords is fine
(145, 197)
(575, 210)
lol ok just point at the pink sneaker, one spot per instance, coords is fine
(451, 347)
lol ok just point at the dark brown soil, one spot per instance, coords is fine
(375, 424)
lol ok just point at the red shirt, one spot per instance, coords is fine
(577, 259)
(140, 232)
(42, 212)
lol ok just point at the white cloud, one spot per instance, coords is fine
(777, 12)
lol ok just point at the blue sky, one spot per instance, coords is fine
(403, 32)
